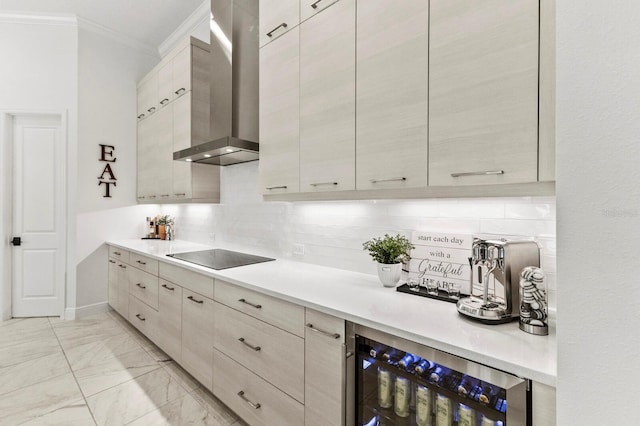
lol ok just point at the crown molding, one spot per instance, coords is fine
(7, 17)
(94, 27)
(200, 15)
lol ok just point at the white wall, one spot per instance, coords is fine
(107, 75)
(39, 73)
(598, 101)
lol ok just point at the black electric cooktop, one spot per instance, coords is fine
(219, 258)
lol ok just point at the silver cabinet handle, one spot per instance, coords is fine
(324, 183)
(112, 261)
(180, 91)
(276, 187)
(141, 286)
(255, 348)
(483, 173)
(122, 266)
(140, 116)
(164, 195)
(249, 303)
(164, 101)
(151, 109)
(253, 405)
(152, 196)
(180, 195)
(325, 333)
(140, 317)
(195, 300)
(141, 198)
(396, 179)
(141, 262)
(168, 288)
(315, 5)
(117, 253)
(270, 33)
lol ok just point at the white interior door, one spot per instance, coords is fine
(38, 216)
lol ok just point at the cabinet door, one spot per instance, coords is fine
(181, 140)
(165, 84)
(324, 370)
(279, 115)
(148, 95)
(483, 99)
(162, 153)
(170, 319)
(122, 306)
(181, 65)
(145, 166)
(277, 17)
(391, 95)
(327, 99)
(113, 283)
(197, 336)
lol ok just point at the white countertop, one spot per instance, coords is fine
(362, 299)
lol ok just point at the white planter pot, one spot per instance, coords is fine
(389, 274)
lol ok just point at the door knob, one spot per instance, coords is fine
(16, 241)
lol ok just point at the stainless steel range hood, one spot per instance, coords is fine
(234, 86)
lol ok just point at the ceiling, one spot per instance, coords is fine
(148, 22)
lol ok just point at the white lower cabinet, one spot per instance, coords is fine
(258, 402)
(324, 370)
(197, 336)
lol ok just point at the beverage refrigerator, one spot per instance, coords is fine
(399, 382)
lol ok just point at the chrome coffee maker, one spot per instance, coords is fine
(495, 275)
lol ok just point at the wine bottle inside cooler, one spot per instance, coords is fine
(466, 416)
(444, 411)
(392, 356)
(377, 351)
(402, 396)
(424, 406)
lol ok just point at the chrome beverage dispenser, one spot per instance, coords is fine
(495, 275)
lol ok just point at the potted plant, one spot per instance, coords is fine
(389, 252)
(164, 222)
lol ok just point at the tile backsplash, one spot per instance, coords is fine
(331, 233)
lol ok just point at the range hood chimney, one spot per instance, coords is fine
(234, 86)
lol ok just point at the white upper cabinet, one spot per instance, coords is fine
(147, 96)
(483, 97)
(280, 115)
(392, 92)
(327, 99)
(276, 18)
(182, 88)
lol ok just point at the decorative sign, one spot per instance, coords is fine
(107, 178)
(442, 258)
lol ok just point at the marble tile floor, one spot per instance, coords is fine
(96, 371)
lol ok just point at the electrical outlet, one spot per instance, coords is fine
(298, 250)
(212, 236)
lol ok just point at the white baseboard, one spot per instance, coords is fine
(86, 311)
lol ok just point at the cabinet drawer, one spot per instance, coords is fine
(144, 286)
(281, 314)
(252, 398)
(187, 279)
(143, 317)
(273, 354)
(308, 8)
(119, 254)
(143, 262)
(170, 319)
